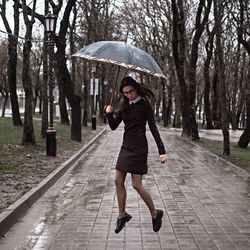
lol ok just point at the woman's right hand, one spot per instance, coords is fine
(109, 109)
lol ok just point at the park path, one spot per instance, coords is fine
(206, 203)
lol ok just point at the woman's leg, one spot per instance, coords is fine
(144, 193)
(120, 191)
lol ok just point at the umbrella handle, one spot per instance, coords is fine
(114, 87)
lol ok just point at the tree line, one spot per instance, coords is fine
(203, 48)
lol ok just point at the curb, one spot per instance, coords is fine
(14, 212)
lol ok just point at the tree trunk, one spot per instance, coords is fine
(12, 64)
(176, 92)
(36, 92)
(64, 80)
(102, 96)
(169, 108)
(63, 107)
(157, 106)
(218, 12)
(243, 38)
(85, 107)
(235, 89)
(177, 114)
(76, 128)
(215, 96)
(245, 137)
(188, 95)
(28, 129)
(207, 105)
(12, 67)
(199, 28)
(86, 95)
(6, 98)
(40, 104)
(179, 55)
(240, 103)
(63, 75)
(164, 104)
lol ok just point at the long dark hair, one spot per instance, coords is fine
(141, 89)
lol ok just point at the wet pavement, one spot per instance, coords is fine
(214, 134)
(206, 203)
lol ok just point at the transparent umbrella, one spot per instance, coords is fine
(122, 54)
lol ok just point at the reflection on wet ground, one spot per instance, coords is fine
(206, 201)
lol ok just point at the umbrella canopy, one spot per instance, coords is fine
(122, 54)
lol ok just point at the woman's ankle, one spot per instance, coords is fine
(154, 214)
(122, 214)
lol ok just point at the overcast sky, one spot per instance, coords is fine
(37, 26)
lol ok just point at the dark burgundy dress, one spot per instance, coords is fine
(134, 150)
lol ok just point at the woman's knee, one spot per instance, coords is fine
(136, 183)
(136, 186)
(119, 179)
(119, 182)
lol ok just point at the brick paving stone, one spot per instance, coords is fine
(205, 201)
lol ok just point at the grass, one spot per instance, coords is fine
(238, 156)
(8, 133)
(10, 142)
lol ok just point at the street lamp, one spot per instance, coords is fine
(105, 100)
(50, 21)
(93, 117)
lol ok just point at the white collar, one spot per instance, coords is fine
(137, 99)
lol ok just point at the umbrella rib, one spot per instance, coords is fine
(100, 50)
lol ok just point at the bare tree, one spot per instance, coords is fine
(201, 19)
(244, 39)
(187, 72)
(28, 128)
(241, 90)
(36, 65)
(218, 13)
(4, 89)
(207, 105)
(63, 75)
(12, 58)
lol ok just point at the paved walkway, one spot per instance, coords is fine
(206, 203)
(214, 134)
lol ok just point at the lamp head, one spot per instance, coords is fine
(49, 22)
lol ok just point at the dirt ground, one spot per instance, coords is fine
(31, 166)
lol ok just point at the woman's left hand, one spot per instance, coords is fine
(163, 158)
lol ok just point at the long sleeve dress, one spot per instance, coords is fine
(134, 150)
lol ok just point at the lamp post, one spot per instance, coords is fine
(50, 21)
(105, 100)
(93, 117)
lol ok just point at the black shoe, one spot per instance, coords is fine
(157, 221)
(121, 222)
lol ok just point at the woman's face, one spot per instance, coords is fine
(129, 92)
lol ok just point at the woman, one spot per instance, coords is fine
(135, 112)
